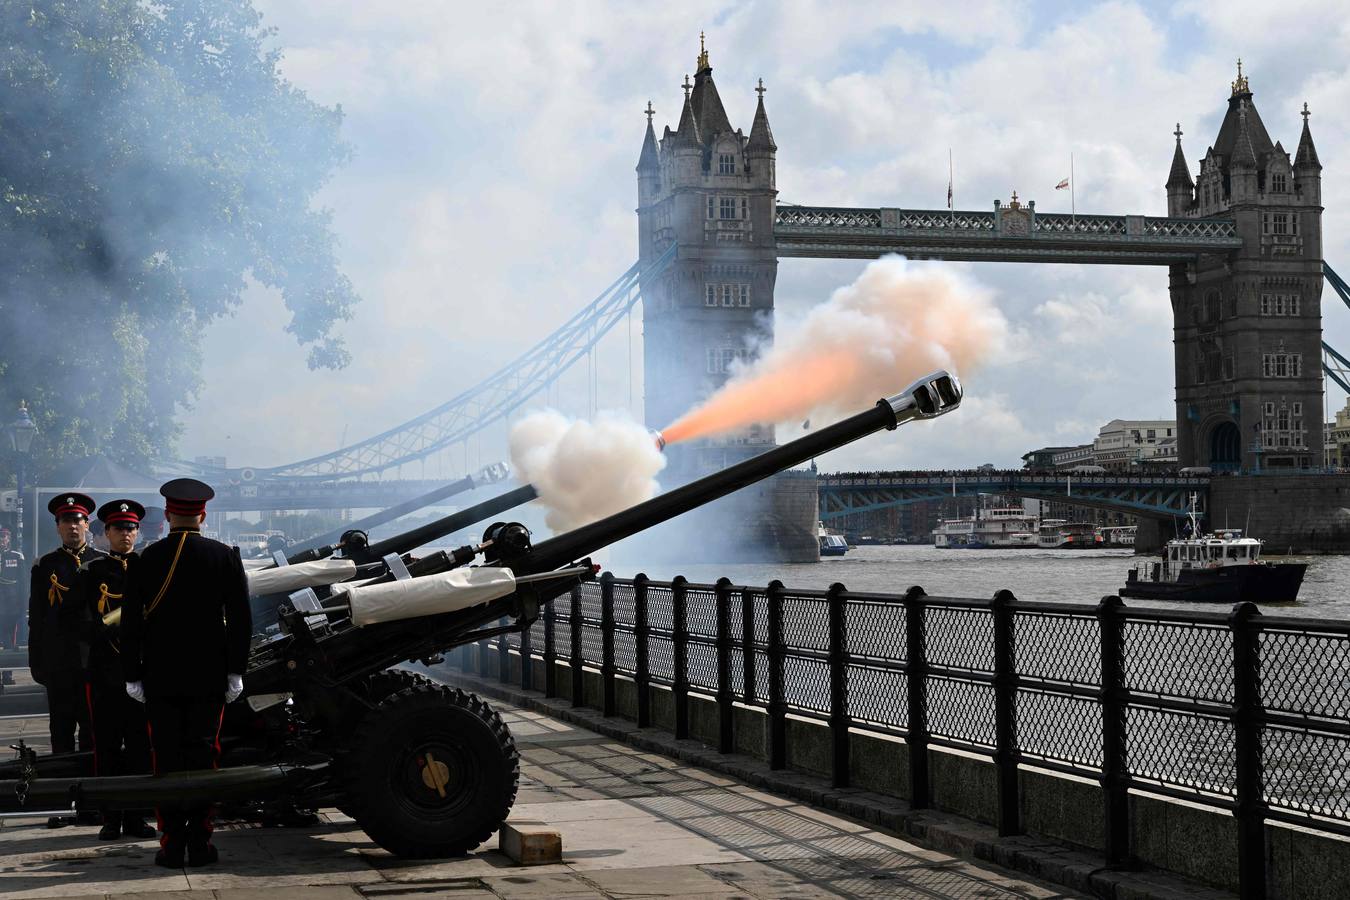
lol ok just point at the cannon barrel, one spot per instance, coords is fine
(929, 397)
(326, 545)
(416, 537)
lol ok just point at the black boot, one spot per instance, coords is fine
(201, 853)
(133, 826)
(112, 827)
(170, 854)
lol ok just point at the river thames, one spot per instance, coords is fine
(1059, 576)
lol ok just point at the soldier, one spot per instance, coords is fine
(121, 741)
(56, 655)
(11, 602)
(185, 636)
(152, 526)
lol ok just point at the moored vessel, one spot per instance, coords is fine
(1222, 567)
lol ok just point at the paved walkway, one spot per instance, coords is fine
(633, 825)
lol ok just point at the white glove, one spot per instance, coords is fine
(136, 691)
(234, 686)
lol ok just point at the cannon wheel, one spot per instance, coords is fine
(431, 772)
(391, 681)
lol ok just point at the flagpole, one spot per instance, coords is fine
(951, 202)
(1073, 205)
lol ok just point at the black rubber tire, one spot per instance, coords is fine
(391, 681)
(416, 811)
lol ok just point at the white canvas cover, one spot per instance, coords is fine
(428, 595)
(284, 579)
(262, 563)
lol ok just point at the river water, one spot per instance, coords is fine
(1060, 576)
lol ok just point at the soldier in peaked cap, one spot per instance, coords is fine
(185, 636)
(152, 525)
(121, 739)
(56, 654)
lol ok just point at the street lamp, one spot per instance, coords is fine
(21, 432)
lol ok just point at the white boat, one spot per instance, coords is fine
(998, 528)
(830, 544)
(1058, 534)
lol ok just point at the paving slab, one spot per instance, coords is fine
(634, 824)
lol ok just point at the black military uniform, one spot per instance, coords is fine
(11, 596)
(121, 735)
(57, 656)
(185, 631)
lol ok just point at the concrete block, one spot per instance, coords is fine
(663, 708)
(808, 746)
(531, 843)
(593, 690)
(1063, 809)
(625, 699)
(1319, 864)
(704, 720)
(964, 785)
(750, 731)
(879, 764)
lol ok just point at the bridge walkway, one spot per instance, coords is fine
(634, 824)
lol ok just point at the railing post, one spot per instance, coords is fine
(776, 651)
(749, 695)
(680, 653)
(642, 667)
(839, 718)
(916, 668)
(483, 669)
(526, 658)
(578, 664)
(1005, 714)
(607, 643)
(550, 651)
(726, 698)
(503, 655)
(1115, 770)
(1251, 807)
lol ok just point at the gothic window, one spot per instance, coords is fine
(728, 295)
(726, 164)
(1269, 409)
(1280, 223)
(727, 209)
(1279, 304)
(1212, 307)
(744, 298)
(710, 295)
(712, 207)
(1282, 365)
(1228, 367)
(720, 359)
(1298, 409)
(1278, 183)
(745, 207)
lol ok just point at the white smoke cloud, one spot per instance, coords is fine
(584, 470)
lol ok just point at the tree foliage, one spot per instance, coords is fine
(152, 160)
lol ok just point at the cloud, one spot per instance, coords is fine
(492, 192)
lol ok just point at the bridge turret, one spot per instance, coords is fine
(1180, 188)
(1247, 326)
(1307, 167)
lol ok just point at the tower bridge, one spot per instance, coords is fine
(1151, 496)
(1242, 242)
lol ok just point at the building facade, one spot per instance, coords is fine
(1247, 328)
(1130, 443)
(709, 190)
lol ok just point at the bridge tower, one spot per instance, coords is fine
(709, 189)
(1247, 326)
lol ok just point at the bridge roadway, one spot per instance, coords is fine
(1009, 233)
(1156, 496)
(299, 493)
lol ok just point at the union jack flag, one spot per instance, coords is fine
(1062, 185)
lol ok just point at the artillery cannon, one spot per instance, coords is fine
(425, 770)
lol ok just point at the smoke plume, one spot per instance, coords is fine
(895, 323)
(583, 470)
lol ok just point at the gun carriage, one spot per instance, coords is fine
(426, 770)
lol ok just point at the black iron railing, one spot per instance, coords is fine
(1237, 711)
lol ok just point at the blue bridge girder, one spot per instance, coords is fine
(1006, 234)
(1151, 496)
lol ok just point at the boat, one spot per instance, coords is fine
(831, 544)
(1057, 534)
(997, 528)
(1221, 567)
(1118, 535)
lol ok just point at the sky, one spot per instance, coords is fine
(492, 191)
